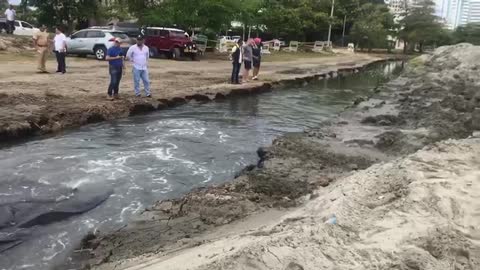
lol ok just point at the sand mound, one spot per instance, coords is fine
(15, 44)
(419, 212)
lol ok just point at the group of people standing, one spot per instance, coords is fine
(41, 42)
(138, 54)
(250, 54)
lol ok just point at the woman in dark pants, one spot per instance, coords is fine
(236, 61)
(257, 57)
(116, 66)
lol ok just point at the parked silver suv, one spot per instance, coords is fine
(95, 42)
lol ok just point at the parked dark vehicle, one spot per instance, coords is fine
(175, 43)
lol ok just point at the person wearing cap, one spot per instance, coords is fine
(138, 55)
(116, 66)
(257, 57)
(40, 42)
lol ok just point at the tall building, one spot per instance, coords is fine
(458, 12)
(397, 7)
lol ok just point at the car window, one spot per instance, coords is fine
(81, 34)
(26, 25)
(119, 35)
(95, 34)
(177, 34)
(163, 33)
(17, 24)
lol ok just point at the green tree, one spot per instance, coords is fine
(3, 5)
(192, 14)
(467, 33)
(420, 26)
(295, 19)
(372, 26)
(68, 13)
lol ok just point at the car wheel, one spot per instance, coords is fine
(100, 53)
(176, 54)
(153, 52)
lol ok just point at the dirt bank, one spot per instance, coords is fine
(34, 104)
(414, 212)
(418, 212)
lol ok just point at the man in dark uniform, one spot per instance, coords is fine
(236, 57)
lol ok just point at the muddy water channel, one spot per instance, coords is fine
(55, 190)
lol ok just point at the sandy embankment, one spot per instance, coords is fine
(419, 212)
(409, 211)
(33, 104)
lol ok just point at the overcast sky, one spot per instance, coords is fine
(14, 2)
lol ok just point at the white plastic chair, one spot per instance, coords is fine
(293, 47)
(277, 45)
(351, 47)
(266, 49)
(318, 46)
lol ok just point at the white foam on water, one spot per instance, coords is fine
(133, 208)
(64, 198)
(31, 165)
(164, 190)
(78, 183)
(162, 153)
(43, 181)
(89, 223)
(69, 157)
(223, 137)
(198, 132)
(24, 266)
(160, 180)
(52, 249)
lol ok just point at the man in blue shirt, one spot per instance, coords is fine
(116, 66)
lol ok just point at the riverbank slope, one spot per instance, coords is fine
(36, 104)
(410, 211)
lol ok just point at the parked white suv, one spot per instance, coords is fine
(95, 42)
(21, 28)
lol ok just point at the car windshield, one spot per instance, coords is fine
(177, 34)
(119, 35)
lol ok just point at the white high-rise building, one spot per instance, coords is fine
(397, 7)
(458, 12)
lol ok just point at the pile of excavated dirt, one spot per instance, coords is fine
(418, 212)
(412, 213)
(15, 44)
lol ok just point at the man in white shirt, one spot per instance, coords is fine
(138, 55)
(60, 44)
(10, 13)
